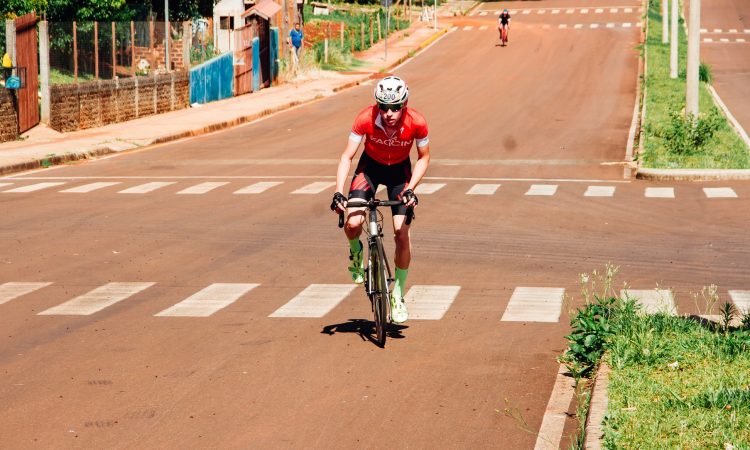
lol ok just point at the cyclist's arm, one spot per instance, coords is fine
(420, 167)
(346, 163)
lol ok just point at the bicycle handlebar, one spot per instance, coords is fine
(376, 203)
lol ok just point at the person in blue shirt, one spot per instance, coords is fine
(295, 39)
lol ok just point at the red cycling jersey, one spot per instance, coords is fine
(384, 148)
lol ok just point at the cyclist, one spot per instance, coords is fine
(503, 22)
(388, 129)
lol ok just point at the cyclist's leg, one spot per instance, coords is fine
(361, 188)
(396, 186)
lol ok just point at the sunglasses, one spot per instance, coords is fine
(395, 107)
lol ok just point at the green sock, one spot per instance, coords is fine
(355, 245)
(400, 284)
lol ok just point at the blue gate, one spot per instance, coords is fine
(212, 80)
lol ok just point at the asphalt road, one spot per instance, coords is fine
(551, 109)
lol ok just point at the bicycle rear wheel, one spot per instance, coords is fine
(379, 297)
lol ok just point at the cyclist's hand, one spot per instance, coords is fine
(410, 198)
(339, 203)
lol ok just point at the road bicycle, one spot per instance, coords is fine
(378, 276)
(504, 35)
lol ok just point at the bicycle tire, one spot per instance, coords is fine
(379, 306)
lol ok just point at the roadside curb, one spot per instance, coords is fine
(104, 150)
(597, 409)
(692, 174)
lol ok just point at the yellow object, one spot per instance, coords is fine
(7, 63)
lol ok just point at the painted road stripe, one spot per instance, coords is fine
(599, 191)
(610, 25)
(657, 192)
(96, 300)
(708, 40)
(724, 40)
(747, 31)
(594, 25)
(722, 192)
(468, 27)
(598, 10)
(526, 11)
(454, 28)
(483, 13)
(91, 187)
(428, 188)
(703, 30)
(740, 40)
(534, 304)
(613, 10)
(541, 11)
(5, 184)
(430, 302)
(741, 300)
(483, 189)
(546, 26)
(569, 11)
(584, 11)
(497, 12)
(733, 30)
(628, 10)
(483, 27)
(627, 25)
(577, 26)
(555, 11)
(562, 26)
(653, 300)
(380, 189)
(209, 300)
(35, 187)
(9, 291)
(202, 188)
(315, 301)
(553, 421)
(258, 188)
(315, 188)
(146, 188)
(717, 30)
(542, 189)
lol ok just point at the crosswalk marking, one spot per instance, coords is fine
(584, 11)
(577, 26)
(315, 188)
(613, 10)
(659, 192)
(628, 10)
(741, 300)
(146, 187)
(542, 189)
(653, 300)
(599, 191)
(468, 27)
(724, 40)
(534, 304)
(708, 40)
(569, 11)
(316, 300)
(91, 187)
(483, 189)
(627, 25)
(483, 13)
(721, 192)
(594, 25)
(526, 11)
(717, 30)
(562, 26)
(733, 30)
(483, 27)
(430, 302)
(209, 300)
(546, 26)
(541, 11)
(97, 299)
(703, 30)
(555, 11)
(9, 291)
(598, 11)
(202, 188)
(610, 25)
(428, 188)
(5, 184)
(35, 187)
(740, 40)
(258, 188)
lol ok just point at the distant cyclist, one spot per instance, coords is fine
(503, 25)
(388, 129)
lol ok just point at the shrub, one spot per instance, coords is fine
(687, 134)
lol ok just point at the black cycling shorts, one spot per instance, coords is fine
(370, 174)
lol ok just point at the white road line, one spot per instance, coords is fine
(147, 187)
(96, 300)
(258, 188)
(555, 11)
(541, 11)
(209, 300)
(203, 187)
(627, 25)
(598, 11)
(577, 26)
(610, 25)
(722, 192)
(717, 30)
(511, 12)
(9, 291)
(483, 13)
(653, 300)
(707, 40)
(91, 187)
(569, 11)
(659, 192)
(546, 26)
(599, 191)
(380, 189)
(724, 40)
(703, 30)
(483, 27)
(315, 301)
(483, 189)
(454, 29)
(594, 25)
(496, 13)
(613, 10)
(526, 11)
(740, 40)
(733, 30)
(315, 188)
(562, 26)
(430, 302)
(747, 31)
(741, 300)
(584, 11)
(5, 184)
(468, 27)
(542, 189)
(628, 10)
(553, 421)
(534, 304)
(428, 188)
(34, 187)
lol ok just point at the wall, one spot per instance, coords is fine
(98, 103)
(8, 118)
(213, 80)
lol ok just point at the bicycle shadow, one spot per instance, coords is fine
(365, 329)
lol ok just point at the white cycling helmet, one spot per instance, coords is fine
(391, 91)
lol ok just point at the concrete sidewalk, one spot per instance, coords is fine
(42, 146)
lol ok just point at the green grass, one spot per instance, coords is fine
(665, 95)
(61, 77)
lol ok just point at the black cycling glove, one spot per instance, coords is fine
(338, 197)
(408, 195)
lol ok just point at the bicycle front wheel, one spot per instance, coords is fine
(379, 297)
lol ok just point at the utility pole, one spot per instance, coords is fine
(664, 21)
(674, 41)
(693, 60)
(434, 17)
(166, 35)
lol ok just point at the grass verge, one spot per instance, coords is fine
(666, 100)
(675, 381)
